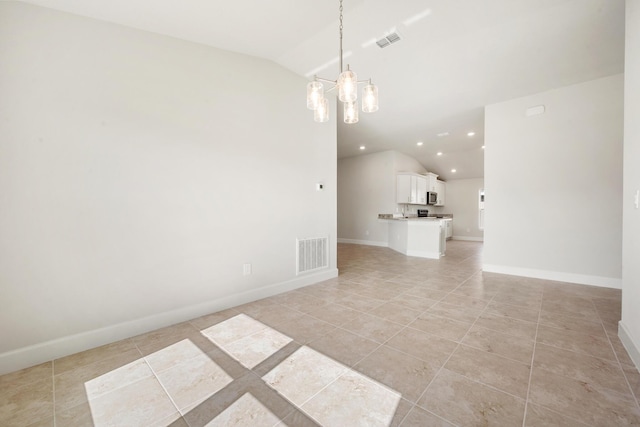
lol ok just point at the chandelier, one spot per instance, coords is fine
(347, 86)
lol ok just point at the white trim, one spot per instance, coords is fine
(582, 279)
(468, 238)
(39, 353)
(364, 242)
(423, 254)
(632, 348)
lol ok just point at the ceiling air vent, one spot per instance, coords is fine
(389, 39)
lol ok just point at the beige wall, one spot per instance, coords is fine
(462, 202)
(553, 184)
(138, 173)
(366, 188)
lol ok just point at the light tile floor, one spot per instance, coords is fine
(392, 341)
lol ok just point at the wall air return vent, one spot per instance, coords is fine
(389, 39)
(312, 254)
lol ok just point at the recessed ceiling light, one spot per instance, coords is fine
(453, 170)
(420, 143)
(362, 147)
(439, 153)
(441, 134)
(471, 133)
(483, 147)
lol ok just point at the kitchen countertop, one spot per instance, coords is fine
(415, 217)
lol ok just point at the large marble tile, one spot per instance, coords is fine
(117, 378)
(468, 403)
(455, 312)
(353, 400)
(142, 403)
(209, 320)
(515, 311)
(589, 344)
(537, 416)
(396, 313)
(423, 345)
(245, 412)
(360, 302)
(303, 374)
(399, 371)
(76, 360)
(193, 380)
(441, 326)
(373, 327)
(70, 388)
(590, 370)
(581, 401)
(25, 376)
(254, 349)
(233, 329)
(573, 324)
(509, 346)
(418, 417)
(306, 329)
(173, 355)
(465, 301)
(427, 293)
(279, 315)
(413, 302)
(504, 374)
(344, 346)
(161, 338)
(21, 405)
(222, 407)
(512, 298)
(507, 325)
(335, 314)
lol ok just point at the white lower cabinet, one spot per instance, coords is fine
(448, 227)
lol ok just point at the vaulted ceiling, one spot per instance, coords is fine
(453, 58)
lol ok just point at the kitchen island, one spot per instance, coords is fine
(419, 237)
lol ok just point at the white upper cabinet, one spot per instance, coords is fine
(432, 178)
(441, 190)
(411, 189)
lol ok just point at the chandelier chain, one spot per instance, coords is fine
(341, 36)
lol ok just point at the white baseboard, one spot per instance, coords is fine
(39, 353)
(364, 242)
(424, 254)
(629, 344)
(468, 238)
(605, 282)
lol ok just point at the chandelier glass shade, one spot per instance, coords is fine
(347, 87)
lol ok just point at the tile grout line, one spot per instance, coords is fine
(459, 343)
(533, 355)
(143, 357)
(615, 353)
(397, 333)
(53, 381)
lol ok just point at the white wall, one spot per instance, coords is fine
(553, 184)
(462, 201)
(366, 188)
(630, 324)
(137, 174)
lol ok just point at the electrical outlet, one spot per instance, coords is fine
(246, 269)
(636, 201)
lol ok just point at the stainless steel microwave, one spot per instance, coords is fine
(432, 198)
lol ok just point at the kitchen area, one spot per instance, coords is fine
(380, 194)
(419, 234)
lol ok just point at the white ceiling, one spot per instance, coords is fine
(455, 56)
